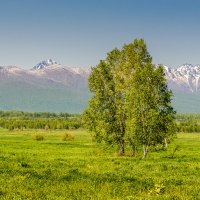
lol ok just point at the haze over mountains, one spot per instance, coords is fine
(52, 87)
(185, 83)
(48, 86)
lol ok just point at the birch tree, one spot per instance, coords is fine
(131, 101)
(101, 116)
(150, 114)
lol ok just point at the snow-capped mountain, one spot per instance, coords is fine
(47, 73)
(44, 64)
(184, 78)
(50, 86)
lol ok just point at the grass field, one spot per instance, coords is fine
(81, 169)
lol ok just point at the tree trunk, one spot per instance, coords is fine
(121, 140)
(145, 151)
(133, 150)
(166, 143)
(122, 151)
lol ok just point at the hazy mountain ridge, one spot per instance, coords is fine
(47, 73)
(185, 78)
(50, 86)
(47, 87)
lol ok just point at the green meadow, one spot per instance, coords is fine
(82, 169)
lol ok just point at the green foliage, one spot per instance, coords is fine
(131, 101)
(102, 115)
(67, 137)
(21, 114)
(21, 121)
(150, 118)
(38, 137)
(188, 123)
(174, 150)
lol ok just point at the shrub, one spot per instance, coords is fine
(67, 137)
(38, 137)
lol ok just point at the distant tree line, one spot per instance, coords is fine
(189, 123)
(21, 114)
(39, 120)
(188, 127)
(187, 116)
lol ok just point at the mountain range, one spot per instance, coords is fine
(185, 84)
(53, 87)
(48, 86)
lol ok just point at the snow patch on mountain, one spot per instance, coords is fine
(184, 78)
(44, 64)
(80, 70)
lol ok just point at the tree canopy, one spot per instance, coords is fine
(131, 101)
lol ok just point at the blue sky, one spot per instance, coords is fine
(81, 32)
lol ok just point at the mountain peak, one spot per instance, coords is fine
(186, 65)
(44, 64)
